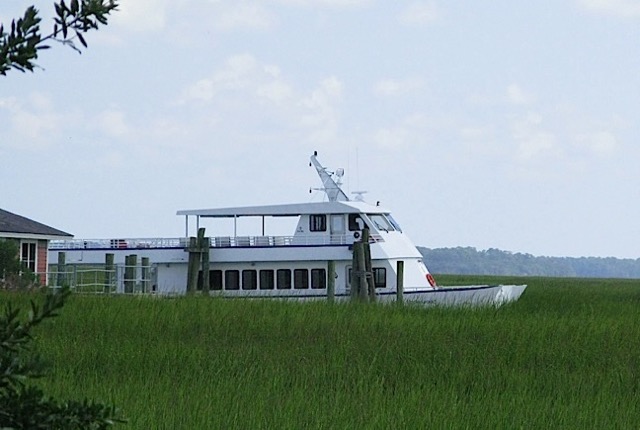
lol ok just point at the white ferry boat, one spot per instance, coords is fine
(315, 262)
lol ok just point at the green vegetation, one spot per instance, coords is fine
(566, 355)
(469, 261)
(23, 405)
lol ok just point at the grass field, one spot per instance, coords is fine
(566, 355)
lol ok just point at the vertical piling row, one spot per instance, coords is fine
(145, 270)
(400, 283)
(198, 260)
(130, 268)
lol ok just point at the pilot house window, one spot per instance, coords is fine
(317, 223)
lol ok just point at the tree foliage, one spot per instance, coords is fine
(13, 273)
(24, 406)
(469, 261)
(19, 44)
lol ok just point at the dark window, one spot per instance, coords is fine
(353, 222)
(231, 280)
(284, 279)
(317, 223)
(300, 279)
(249, 280)
(380, 277)
(215, 279)
(266, 280)
(318, 278)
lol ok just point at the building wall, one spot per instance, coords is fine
(41, 261)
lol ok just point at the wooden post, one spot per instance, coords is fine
(368, 275)
(109, 274)
(62, 268)
(354, 272)
(128, 275)
(145, 273)
(205, 249)
(363, 293)
(131, 263)
(192, 268)
(331, 281)
(400, 283)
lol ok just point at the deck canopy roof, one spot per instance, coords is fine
(287, 210)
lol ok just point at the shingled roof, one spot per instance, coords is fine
(15, 225)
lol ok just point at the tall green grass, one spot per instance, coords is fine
(566, 355)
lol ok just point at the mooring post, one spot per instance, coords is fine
(400, 282)
(145, 268)
(363, 292)
(61, 278)
(205, 250)
(128, 274)
(331, 281)
(109, 273)
(371, 287)
(354, 272)
(192, 268)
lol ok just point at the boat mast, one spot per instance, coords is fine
(330, 186)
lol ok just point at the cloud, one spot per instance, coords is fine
(517, 96)
(395, 88)
(243, 15)
(326, 3)
(112, 123)
(142, 15)
(419, 13)
(533, 141)
(620, 8)
(598, 143)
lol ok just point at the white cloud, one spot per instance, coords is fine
(533, 140)
(518, 96)
(112, 123)
(395, 88)
(142, 15)
(330, 3)
(620, 8)
(599, 143)
(243, 15)
(419, 13)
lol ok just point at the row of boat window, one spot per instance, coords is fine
(281, 279)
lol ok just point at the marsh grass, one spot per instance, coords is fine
(566, 355)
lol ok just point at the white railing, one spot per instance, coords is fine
(216, 242)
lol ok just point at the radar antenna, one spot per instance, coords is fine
(331, 181)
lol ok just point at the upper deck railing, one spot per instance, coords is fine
(216, 242)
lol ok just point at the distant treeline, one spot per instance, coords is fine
(469, 261)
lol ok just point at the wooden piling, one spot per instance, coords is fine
(331, 281)
(131, 263)
(368, 271)
(400, 282)
(61, 279)
(192, 268)
(145, 269)
(204, 243)
(109, 272)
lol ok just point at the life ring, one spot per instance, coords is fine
(356, 235)
(431, 280)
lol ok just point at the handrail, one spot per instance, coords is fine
(216, 242)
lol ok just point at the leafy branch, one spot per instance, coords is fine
(19, 45)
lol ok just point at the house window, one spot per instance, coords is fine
(300, 279)
(284, 279)
(231, 280)
(215, 279)
(318, 278)
(249, 280)
(380, 277)
(266, 280)
(317, 223)
(28, 251)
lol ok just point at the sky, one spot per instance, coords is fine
(503, 124)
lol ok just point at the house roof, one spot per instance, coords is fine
(12, 225)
